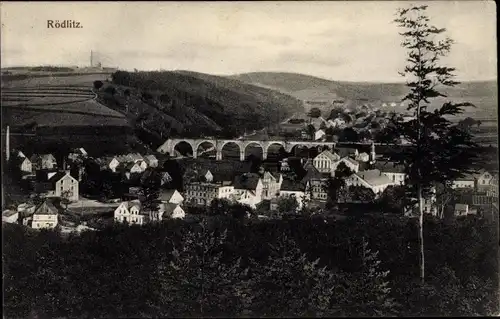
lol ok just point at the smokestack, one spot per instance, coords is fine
(91, 62)
(7, 143)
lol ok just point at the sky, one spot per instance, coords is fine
(344, 41)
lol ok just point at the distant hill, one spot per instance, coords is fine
(316, 90)
(203, 104)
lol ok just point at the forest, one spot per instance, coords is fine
(228, 265)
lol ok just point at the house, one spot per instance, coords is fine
(57, 184)
(143, 165)
(151, 160)
(372, 179)
(325, 161)
(248, 189)
(131, 168)
(170, 196)
(319, 135)
(44, 216)
(171, 210)
(202, 193)
(483, 179)
(129, 212)
(395, 172)
(44, 161)
(270, 185)
(461, 209)
(363, 157)
(295, 189)
(165, 178)
(284, 167)
(25, 165)
(468, 181)
(10, 216)
(349, 162)
(315, 183)
(130, 158)
(108, 162)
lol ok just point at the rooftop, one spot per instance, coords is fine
(246, 181)
(389, 167)
(374, 177)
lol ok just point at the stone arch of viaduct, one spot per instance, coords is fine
(169, 145)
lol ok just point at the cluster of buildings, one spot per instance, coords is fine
(200, 186)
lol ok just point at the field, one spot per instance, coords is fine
(47, 109)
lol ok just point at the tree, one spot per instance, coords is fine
(197, 281)
(287, 205)
(348, 135)
(444, 195)
(110, 90)
(362, 194)
(66, 198)
(369, 293)
(439, 151)
(149, 192)
(314, 113)
(98, 84)
(336, 186)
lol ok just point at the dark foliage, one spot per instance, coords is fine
(224, 267)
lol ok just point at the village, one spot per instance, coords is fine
(86, 193)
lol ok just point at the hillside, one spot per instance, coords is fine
(51, 112)
(316, 90)
(202, 104)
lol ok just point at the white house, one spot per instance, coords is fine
(129, 212)
(467, 181)
(202, 193)
(319, 135)
(395, 172)
(58, 184)
(151, 160)
(294, 189)
(25, 165)
(10, 216)
(483, 178)
(363, 157)
(372, 179)
(248, 189)
(171, 196)
(270, 184)
(109, 162)
(44, 216)
(325, 161)
(461, 209)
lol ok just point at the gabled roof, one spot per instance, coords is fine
(131, 203)
(345, 151)
(57, 176)
(389, 167)
(150, 158)
(46, 208)
(8, 213)
(374, 177)
(292, 186)
(329, 155)
(247, 181)
(351, 160)
(166, 194)
(312, 173)
(167, 208)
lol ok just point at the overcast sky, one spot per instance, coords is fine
(350, 41)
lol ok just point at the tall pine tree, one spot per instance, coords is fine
(439, 151)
